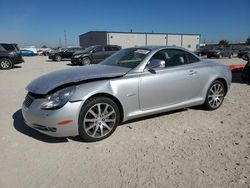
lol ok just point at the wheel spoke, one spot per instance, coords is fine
(90, 127)
(96, 128)
(106, 108)
(106, 126)
(109, 120)
(89, 120)
(220, 90)
(109, 114)
(210, 100)
(101, 128)
(99, 109)
(210, 96)
(219, 100)
(93, 113)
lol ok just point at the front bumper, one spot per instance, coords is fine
(76, 61)
(46, 121)
(51, 56)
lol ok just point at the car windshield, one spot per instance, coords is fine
(130, 57)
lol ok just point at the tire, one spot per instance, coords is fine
(230, 56)
(57, 58)
(215, 95)
(6, 64)
(85, 61)
(208, 57)
(98, 119)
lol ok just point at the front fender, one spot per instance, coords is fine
(86, 90)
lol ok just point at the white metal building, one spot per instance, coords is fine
(131, 39)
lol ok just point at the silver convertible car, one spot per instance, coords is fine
(91, 101)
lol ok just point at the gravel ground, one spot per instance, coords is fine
(185, 148)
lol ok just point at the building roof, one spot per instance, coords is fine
(141, 33)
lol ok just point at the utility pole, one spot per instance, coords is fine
(65, 38)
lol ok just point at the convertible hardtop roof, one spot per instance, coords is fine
(159, 47)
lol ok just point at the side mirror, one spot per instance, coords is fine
(156, 63)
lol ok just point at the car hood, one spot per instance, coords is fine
(53, 80)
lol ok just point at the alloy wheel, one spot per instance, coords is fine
(99, 120)
(86, 61)
(5, 64)
(216, 95)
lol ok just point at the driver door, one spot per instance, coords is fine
(173, 84)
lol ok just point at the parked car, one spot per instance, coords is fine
(91, 101)
(201, 52)
(245, 75)
(9, 55)
(246, 56)
(27, 53)
(242, 52)
(93, 54)
(31, 48)
(64, 53)
(219, 53)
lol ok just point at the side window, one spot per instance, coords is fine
(175, 57)
(108, 48)
(70, 50)
(172, 57)
(191, 58)
(8, 47)
(98, 49)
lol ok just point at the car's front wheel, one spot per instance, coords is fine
(5, 64)
(215, 95)
(98, 119)
(86, 61)
(58, 58)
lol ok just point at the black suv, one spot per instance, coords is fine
(201, 52)
(243, 52)
(94, 54)
(65, 53)
(9, 55)
(219, 53)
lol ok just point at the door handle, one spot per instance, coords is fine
(192, 72)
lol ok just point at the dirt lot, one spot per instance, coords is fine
(187, 148)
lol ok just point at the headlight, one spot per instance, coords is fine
(77, 56)
(218, 52)
(58, 99)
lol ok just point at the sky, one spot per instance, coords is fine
(34, 22)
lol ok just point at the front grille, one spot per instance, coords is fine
(28, 100)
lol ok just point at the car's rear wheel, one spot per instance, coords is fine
(98, 119)
(215, 95)
(5, 64)
(86, 61)
(230, 56)
(58, 58)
